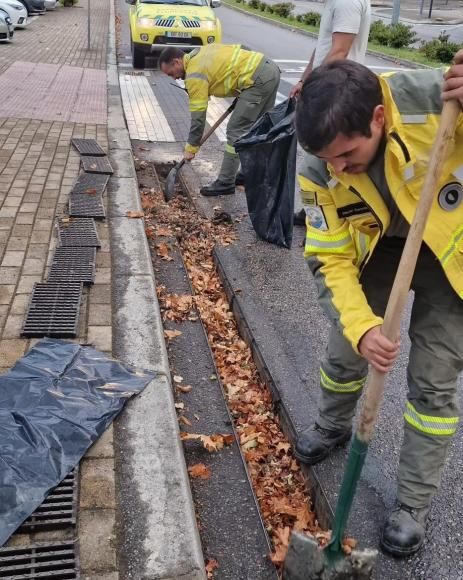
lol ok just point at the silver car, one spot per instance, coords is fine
(6, 27)
(50, 4)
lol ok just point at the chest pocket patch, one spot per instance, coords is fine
(450, 196)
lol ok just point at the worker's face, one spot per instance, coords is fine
(355, 153)
(174, 69)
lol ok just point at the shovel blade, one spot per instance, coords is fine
(306, 560)
(169, 187)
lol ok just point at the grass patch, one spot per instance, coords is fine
(410, 54)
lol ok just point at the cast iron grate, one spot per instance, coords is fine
(86, 205)
(96, 164)
(78, 232)
(59, 508)
(53, 310)
(91, 183)
(73, 264)
(57, 561)
(88, 147)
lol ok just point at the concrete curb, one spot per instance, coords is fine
(157, 532)
(385, 57)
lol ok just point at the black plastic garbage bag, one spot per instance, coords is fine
(268, 163)
(54, 403)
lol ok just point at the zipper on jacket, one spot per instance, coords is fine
(402, 145)
(380, 225)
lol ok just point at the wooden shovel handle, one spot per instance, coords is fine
(404, 275)
(222, 117)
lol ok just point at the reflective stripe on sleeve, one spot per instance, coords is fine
(337, 243)
(452, 246)
(230, 149)
(336, 387)
(199, 76)
(429, 424)
(198, 106)
(231, 66)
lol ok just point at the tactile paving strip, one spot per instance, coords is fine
(88, 147)
(86, 205)
(92, 183)
(78, 232)
(93, 164)
(59, 509)
(57, 561)
(73, 264)
(53, 310)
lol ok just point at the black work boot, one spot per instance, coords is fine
(316, 443)
(403, 531)
(217, 188)
(299, 218)
(239, 179)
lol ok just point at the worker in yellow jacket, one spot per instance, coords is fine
(223, 70)
(370, 139)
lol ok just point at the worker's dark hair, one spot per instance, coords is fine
(337, 98)
(169, 54)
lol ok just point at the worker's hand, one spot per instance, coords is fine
(188, 156)
(379, 351)
(296, 90)
(453, 85)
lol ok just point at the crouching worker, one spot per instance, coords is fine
(223, 70)
(370, 139)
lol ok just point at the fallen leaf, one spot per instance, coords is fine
(172, 333)
(184, 420)
(184, 388)
(178, 379)
(179, 406)
(200, 471)
(134, 214)
(210, 442)
(90, 191)
(210, 567)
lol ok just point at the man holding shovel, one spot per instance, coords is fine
(370, 140)
(223, 70)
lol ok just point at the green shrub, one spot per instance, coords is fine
(270, 9)
(254, 4)
(300, 17)
(440, 48)
(262, 6)
(379, 33)
(311, 18)
(401, 35)
(283, 9)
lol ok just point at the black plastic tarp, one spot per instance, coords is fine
(54, 404)
(268, 163)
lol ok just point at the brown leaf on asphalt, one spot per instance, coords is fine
(211, 566)
(210, 442)
(163, 252)
(348, 545)
(184, 388)
(281, 545)
(170, 334)
(160, 231)
(134, 214)
(184, 420)
(90, 191)
(199, 471)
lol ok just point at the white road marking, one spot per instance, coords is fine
(215, 108)
(144, 115)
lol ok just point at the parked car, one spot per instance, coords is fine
(34, 6)
(6, 27)
(155, 24)
(50, 4)
(16, 11)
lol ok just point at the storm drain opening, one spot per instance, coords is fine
(86, 205)
(93, 164)
(88, 147)
(53, 310)
(59, 510)
(73, 264)
(57, 561)
(78, 232)
(90, 183)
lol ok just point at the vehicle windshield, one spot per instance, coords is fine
(177, 2)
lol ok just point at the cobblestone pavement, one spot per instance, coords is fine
(53, 89)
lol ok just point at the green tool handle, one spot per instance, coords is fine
(391, 326)
(399, 293)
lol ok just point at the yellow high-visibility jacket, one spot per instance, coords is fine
(346, 215)
(221, 70)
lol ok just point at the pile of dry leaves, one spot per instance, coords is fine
(276, 477)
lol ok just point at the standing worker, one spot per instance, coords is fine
(223, 70)
(369, 140)
(344, 30)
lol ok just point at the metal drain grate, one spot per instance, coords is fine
(53, 310)
(86, 205)
(88, 147)
(91, 183)
(40, 561)
(96, 164)
(59, 508)
(78, 232)
(73, 264)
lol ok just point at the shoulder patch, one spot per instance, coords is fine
(316, 218)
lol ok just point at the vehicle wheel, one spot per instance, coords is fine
(138, 56)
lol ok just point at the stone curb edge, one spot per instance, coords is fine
(385, 57)
(157, 532)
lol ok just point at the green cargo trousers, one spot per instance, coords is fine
(435, 362)
(252, 103)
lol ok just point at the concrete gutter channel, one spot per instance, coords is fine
(157, 533)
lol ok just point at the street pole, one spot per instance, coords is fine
(421, 7)
(88, 26)
(430, 9)
(395, 12)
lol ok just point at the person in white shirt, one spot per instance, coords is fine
(344, 30)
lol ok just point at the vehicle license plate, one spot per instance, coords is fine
(179, 34)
